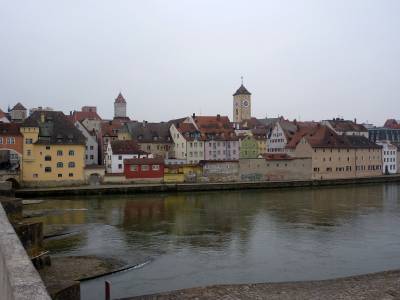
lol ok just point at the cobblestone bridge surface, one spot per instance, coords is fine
(376, 286)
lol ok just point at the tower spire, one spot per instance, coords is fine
(241, 79)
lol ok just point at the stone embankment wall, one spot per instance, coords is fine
(19, 280)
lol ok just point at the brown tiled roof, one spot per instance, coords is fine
(120, 99)
(241, 91)
(2, 114)
(144, 132)
(18, 106)
(110, 128)
(189, 131)
(341, 125)
(9, 129)
(144, 161)
(392, 123)
(126, 147)
(55, 128)
(215, 127)
(82, 115)
(276, 156)
(322, 136)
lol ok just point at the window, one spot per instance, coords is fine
(47, 147)
(119, 166)
(47, 169)
(10, 141)
(47, 158)
(119, 157)
(1, 140)
(71, 164)
(35, 175)
(92, 156)
(28, 141)
(59, 153)
(155, 167)
(71, 174)
(133, 168)
(145, 167)
(59, 175)
(71, 153)
(91, 147)
(60, 165)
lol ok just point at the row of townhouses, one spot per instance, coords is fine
(48, 147)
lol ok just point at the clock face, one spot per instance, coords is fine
(245, 103)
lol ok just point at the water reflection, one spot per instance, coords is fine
(231, 237)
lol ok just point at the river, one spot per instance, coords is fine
(195, 239)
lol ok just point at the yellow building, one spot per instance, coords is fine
(53, 150)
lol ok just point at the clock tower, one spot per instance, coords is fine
(241, 104)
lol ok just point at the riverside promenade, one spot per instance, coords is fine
(194, 187)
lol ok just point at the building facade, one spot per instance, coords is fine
(54, 150)
(18, 113)
(120, 107)
(144, 169)
(118, 151)
(91, 147)
(389, 157)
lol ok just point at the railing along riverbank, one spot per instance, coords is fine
(195, 187)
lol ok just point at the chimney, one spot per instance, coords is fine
(355, 121)
(218, 117)
(194, 116)
(144, 123)
(70, 112)
(42, 117)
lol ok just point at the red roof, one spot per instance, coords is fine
(120, 99)
(9, 129)
(126, 147)
(82, 115)
(111, 128)
(215, 127)
(2, 114)
(18, 106)
(144, 161)
(392, 123)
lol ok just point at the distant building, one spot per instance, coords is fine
(392, 123)
(54, 150)
(18, 113)
(346, 127)
(120, 107)
(153, 138)
(118, 151)
(384, 134)
(249, 147)
(241, 104)
(109, 130)
(337, 156)
(389, 157)
(91, 147)
(11, 146)
(40, 108)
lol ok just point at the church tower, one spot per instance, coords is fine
(120, 107)
(241, 104)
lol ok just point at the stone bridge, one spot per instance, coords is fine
(12, 176)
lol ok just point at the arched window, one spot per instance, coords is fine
(71, 153)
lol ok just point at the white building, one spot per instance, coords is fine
(389, 157)
(346, 127)
(118, 150)
(280, 136)
(92, 147)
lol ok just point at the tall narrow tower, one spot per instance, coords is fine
(241, 104)
(120, 107)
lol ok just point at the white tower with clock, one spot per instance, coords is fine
(241, 104)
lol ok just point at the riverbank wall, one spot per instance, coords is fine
(196, 187)
(19, 280)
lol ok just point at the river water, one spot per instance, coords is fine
(194, 239)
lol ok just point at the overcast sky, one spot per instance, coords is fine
(301, 59)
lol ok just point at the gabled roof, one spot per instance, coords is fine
(9, 129)
(145, 132)
(2, 114)
(321, 136)
(82, 115)
(241, 91)
(392, 123)
(215, 127)
(126, 147)
(18, 106)
(120, 99)
(111, 128)
(341, 125)
(54, 128)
